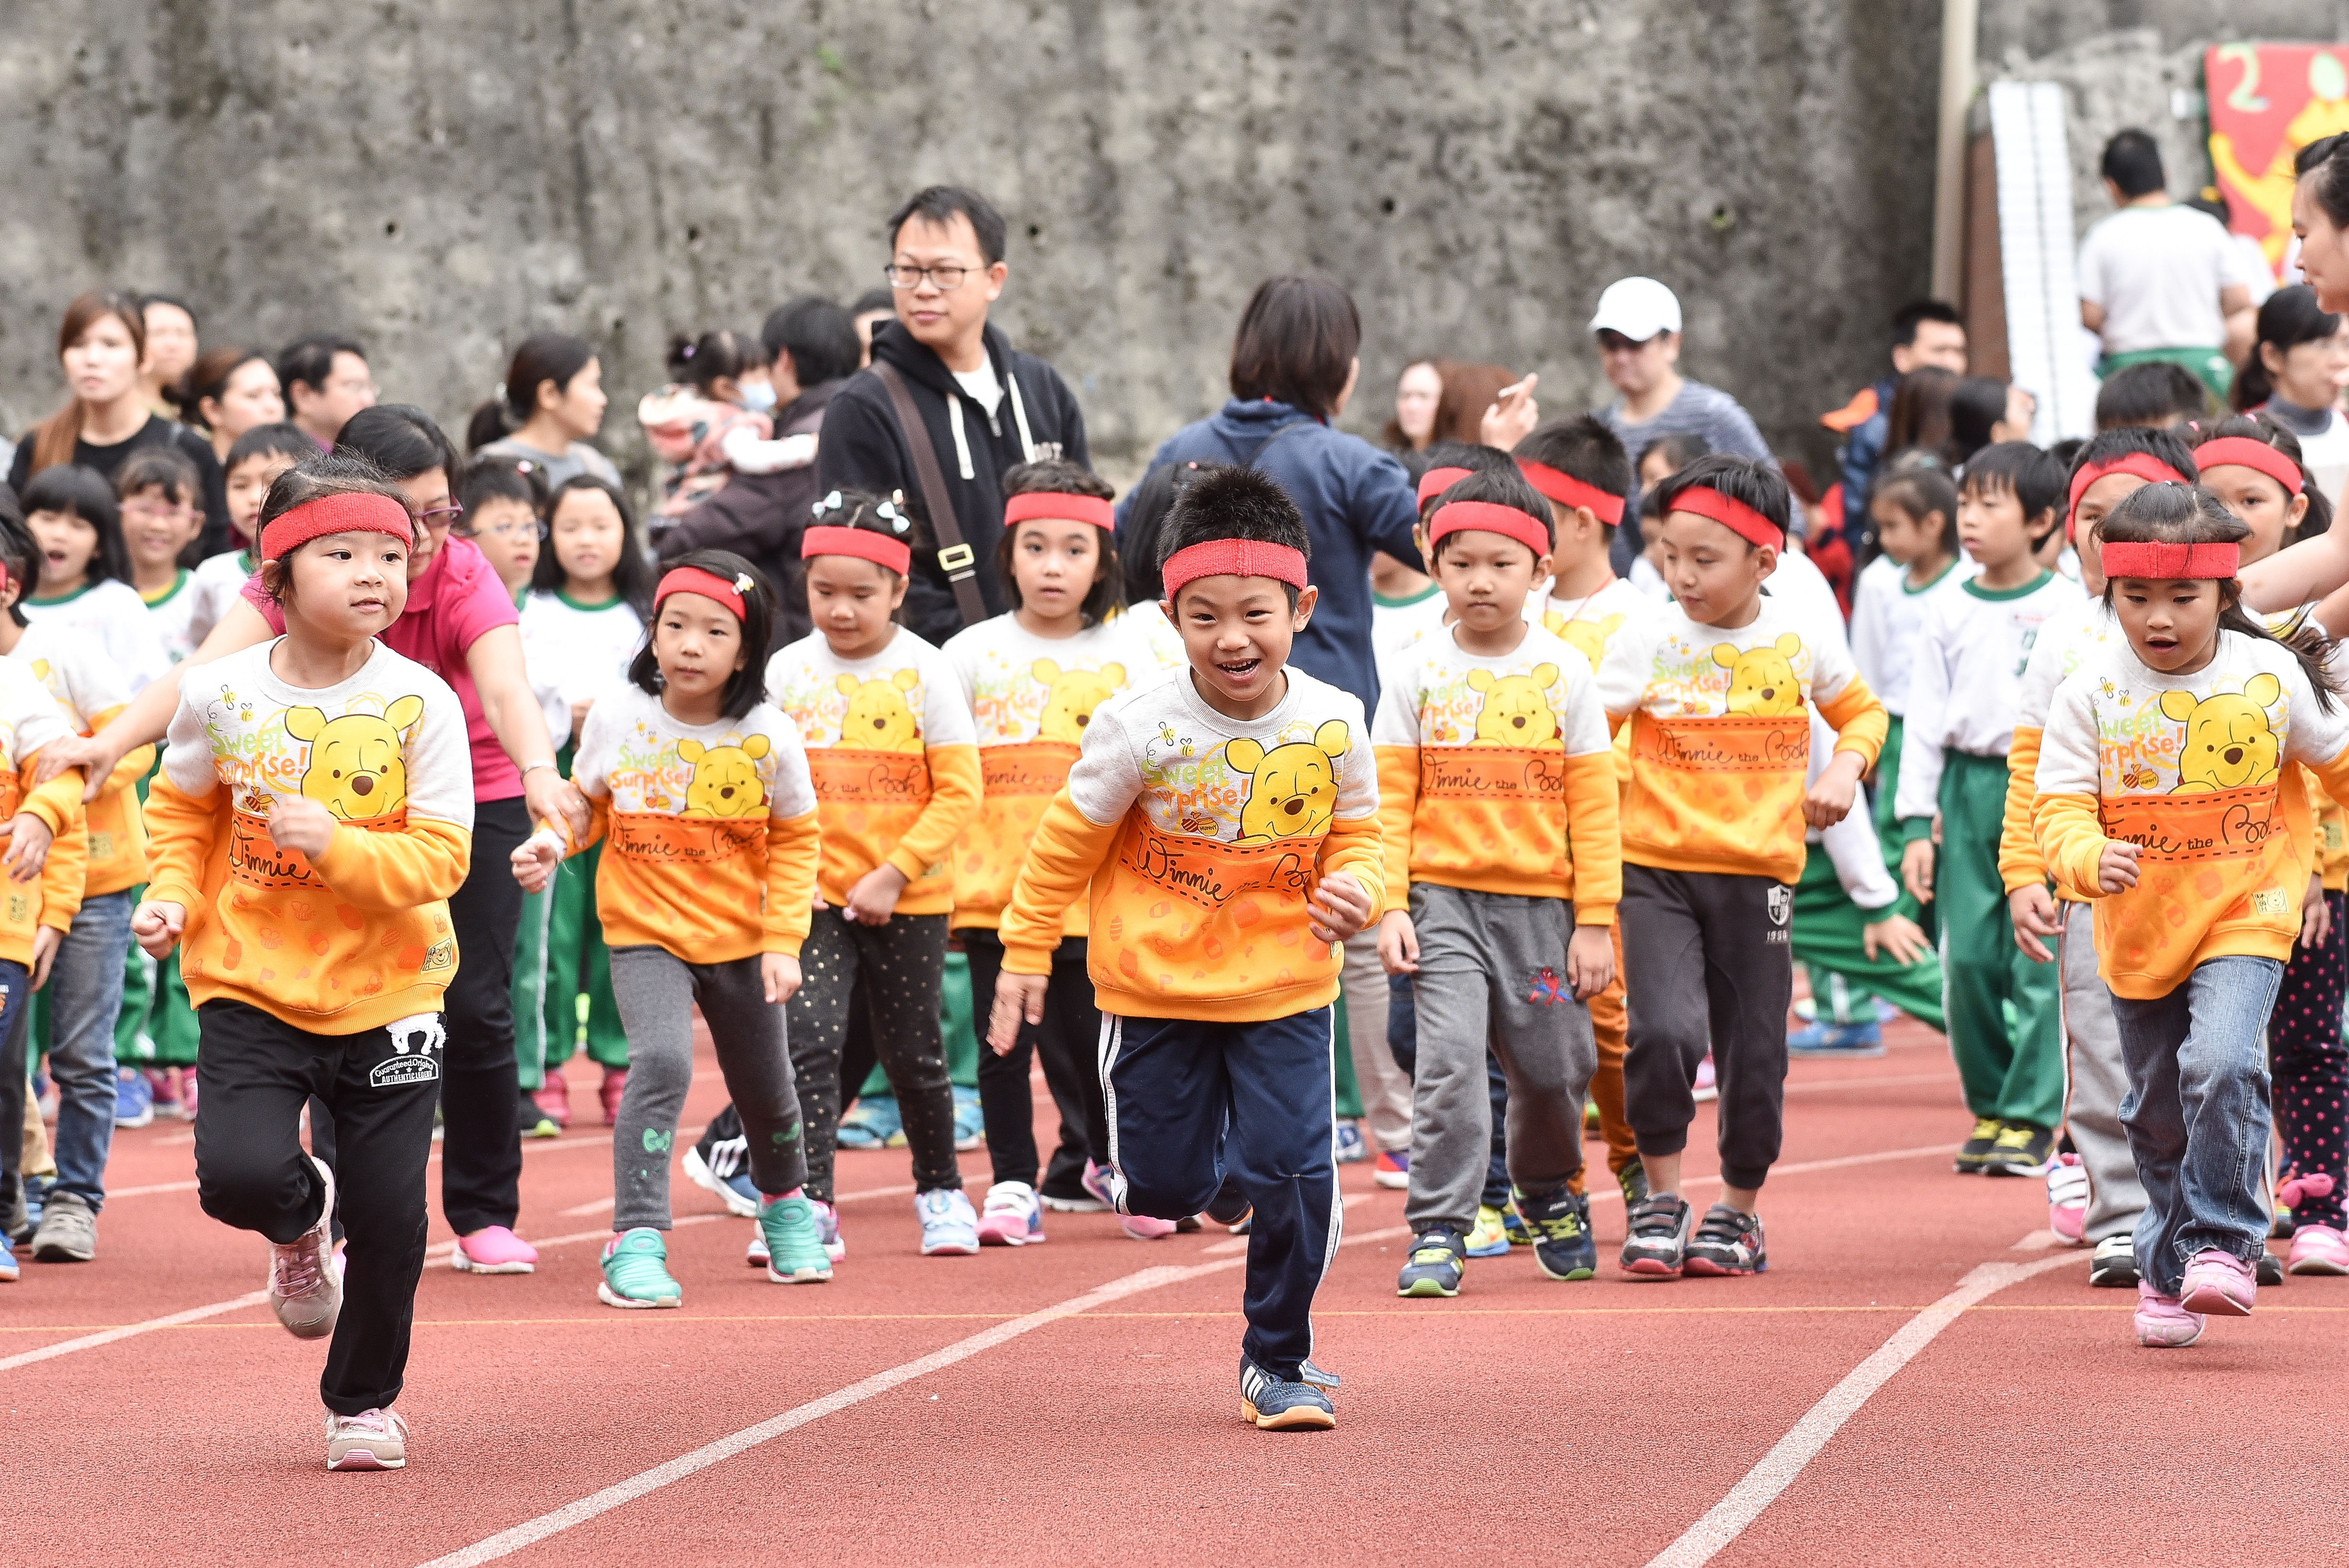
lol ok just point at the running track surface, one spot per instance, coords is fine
(915, 1411)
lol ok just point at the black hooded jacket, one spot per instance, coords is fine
(760, 517)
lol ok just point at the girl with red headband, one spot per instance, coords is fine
(313, 814)
(895, 761)
(2167, 796)
(699, 792)
(1717, 691)
(1033, 679)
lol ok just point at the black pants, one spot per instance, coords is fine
(899, 967)
(251, 1172)
(1709, 956)
(1069, 1041)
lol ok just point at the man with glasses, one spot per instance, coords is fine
(982, 405)
(327, 381)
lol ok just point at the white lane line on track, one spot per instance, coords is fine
(507, 1541)
(1727, 1519)
(129, 1331)
(1615, 1194)
(144, 1191)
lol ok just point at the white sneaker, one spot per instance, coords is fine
(1707, 1086)
(306, 1288)
(370, 1440)
(1012, 1218)
(949, 1225)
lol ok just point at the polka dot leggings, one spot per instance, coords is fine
(2310, 1066)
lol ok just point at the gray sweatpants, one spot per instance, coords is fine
(656, 991)
(1492, 973)
(2095, 1079)
(1384, 1086)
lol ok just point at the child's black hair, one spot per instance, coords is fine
(1920, 490)
(2173, 513)
(166, 469)
(1757, 484)
(699, 362)
(2034, 480)
(18, 553)
(1071, 479)
(891, 518)
(1976, 409)
(1228, 501)
(400, 440)
(632, 576)
(80, 492)
(502, 479)
(1145, 522)
(321, 474)
(1679, 451)
(1500, 487)
(279, 440)
(747, 686)
(2265, 429)
(1469, 455)
(2154, 441)
(2156, 392)
(1582, 448)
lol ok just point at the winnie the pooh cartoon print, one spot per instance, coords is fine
(877, 719)
(1516, 710)
(355, 770)
(1761, 682)
(1071, 697)
(1293, 788)
(2228, 745)
(725, 778)
(1588, 638)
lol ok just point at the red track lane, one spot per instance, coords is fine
(1597, 1422)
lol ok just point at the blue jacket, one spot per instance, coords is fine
(1356, 499)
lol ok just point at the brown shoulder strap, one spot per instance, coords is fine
(960, 560)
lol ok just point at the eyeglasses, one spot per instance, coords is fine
(441, 516)
(519, 527)
(156, 508)
(946, 279)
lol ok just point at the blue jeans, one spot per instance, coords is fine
(2196, 1114)
(85, 993)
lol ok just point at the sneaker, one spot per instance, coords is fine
(615, 1085)
(873, 1123)
(2114, 1262)
(1064, 1203)
(1658, 1237)
(636, 1271)
(1486, 1239)
(1392, 1168)
(1728, 1243)
(1188, 1225)
(305, 1291)
(1824, 1040)
(2267, 1268)
(134, 1099)
(1276, 1405)
(756, 1254)
(8, 1269)
(68, 1232)
(2067, 1197)
(494, 1250)
(554, 1097)
(188, 1093)
(1560, 1225)
(794, 1240)
(1976, 1150)
(2318, 1250)
(970, 1120)
(16, 1220)
(532, 1119)
(1633, 1180)
(1513, 1225)
(949, 1226)
(1011, 1216)
(1438, 1258)
(370, 1440)
(2162, 1323)
(1096, 1181)
(1146, 1227)
(1707, 1086)
(1351, 1146)
(1592, 1119)
(827, 1225)
(166, 1090)
(2020, 1150)
(1229, 1207)
(735, 1190)
(2219, 1284)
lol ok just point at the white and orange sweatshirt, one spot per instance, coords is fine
(1203, 838)
(1496, 774)
(90, 691)
(710, 829)
(29, 719)
(895, 757)
(360, 937)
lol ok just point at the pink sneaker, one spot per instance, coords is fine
(2067, 1198)
(494, 1249)
(2219, 1283)
(1096, 1181)
(616, 1083)
(2162, 1323)
(1143, 1228)
(1707, 1086)
(2318, 1250)
(554, 1097)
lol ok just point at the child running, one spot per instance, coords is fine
(85, 581)
(2165, 795)
(1714, 690)
(1225, 818)
(703, 792)
(313, 814)
(1497, 811)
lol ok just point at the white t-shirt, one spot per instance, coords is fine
(1973, 653)
(115, 614)
(983, 386)
(582, 650)
(174, 614)
(217, 584)
(1147, 622)
(1392, 621)
(2157, 270)
(1885, 614)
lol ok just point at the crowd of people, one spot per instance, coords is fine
(1438, 805)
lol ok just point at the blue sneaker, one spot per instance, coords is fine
(1276, 1405)
(970, 1121)
(134, 1098)
(1854, 1041)
(949, 1225)
(1439, 1257)
(8, 1270)
(1351, 1146)
(873, 1123)
(1560, 1223)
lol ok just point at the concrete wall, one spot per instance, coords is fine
(441, 177)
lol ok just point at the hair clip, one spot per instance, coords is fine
(742, 584)
(689, 352)
(829, 504)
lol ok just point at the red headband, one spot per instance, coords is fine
(1489, 517)
(2144, 465)
(709, 584)
(355, 512)
(1235, 558)
(1056, 506)
(2242, 452)
(2172, 563)
(1435, 481)
(860, 543)
(1568, 490)
(1731, 513)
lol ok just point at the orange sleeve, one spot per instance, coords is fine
(2071, 841)
(179, 833)
(1860, 719)
(67, 867)
(1355, 846)
(2019, 865)
(2334, 778)
(1067, 848)
(134, 765)
(954, 798)
(1397, 801)
(392, 872)
(791, 853)
(1594, 833)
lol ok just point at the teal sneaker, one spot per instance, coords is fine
(794, 1240)
(1438, 1260)
(873, 1122)
(636, 1271)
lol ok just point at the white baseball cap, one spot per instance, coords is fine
(1639, 308)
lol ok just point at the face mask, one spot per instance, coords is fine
(758, 396)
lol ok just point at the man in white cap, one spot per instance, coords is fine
(1638, 324)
